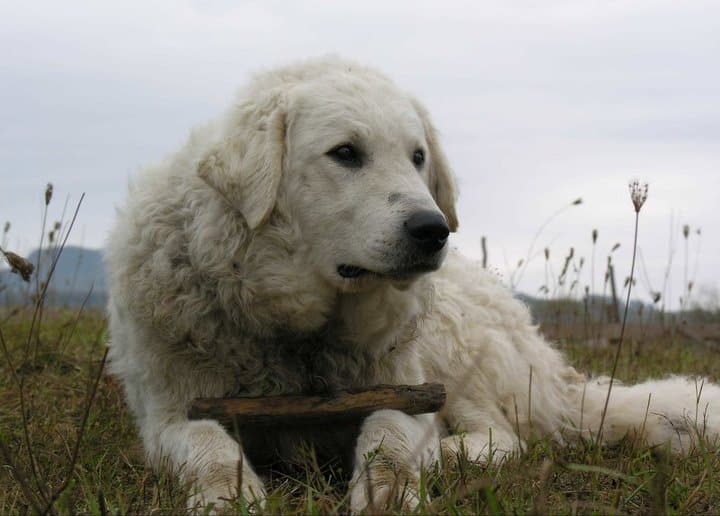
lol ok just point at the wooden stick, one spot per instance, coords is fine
(353, 404)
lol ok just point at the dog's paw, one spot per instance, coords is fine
(371, 500)
(373, 497)
(218, 490)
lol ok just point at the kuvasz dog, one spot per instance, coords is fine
(299, 243)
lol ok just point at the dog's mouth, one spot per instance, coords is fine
(351, 272)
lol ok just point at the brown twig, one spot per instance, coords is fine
(80, 434)
(23, 415)
(343, 405)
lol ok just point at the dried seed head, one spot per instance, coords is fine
(615, 247)
(7, 228)
(577, 201)
(686, 231)
(594, 235)
(19, 265)
(547, 253)
(690, 286)
(566, 265)
(48, 193)
(656, 296)
(638, 193)
(57, 225)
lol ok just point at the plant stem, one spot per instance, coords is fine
(622, 330)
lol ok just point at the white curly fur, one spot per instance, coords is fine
(224, 281)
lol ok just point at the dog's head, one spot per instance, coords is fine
(352, 161)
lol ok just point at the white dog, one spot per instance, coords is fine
(299, 243)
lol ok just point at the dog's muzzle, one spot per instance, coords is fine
(427, 232)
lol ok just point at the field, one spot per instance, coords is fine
(58, 366)
(68, 444)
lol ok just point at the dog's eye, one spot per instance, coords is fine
(418, 158)
(346, 155)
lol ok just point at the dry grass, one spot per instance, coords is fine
(68, 444)
(110, 475)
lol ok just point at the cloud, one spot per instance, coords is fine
(537, 104)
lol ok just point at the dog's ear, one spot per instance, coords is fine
(441, 180)
(246, 167)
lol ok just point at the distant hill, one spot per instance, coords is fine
(78, 270)
(568, 311)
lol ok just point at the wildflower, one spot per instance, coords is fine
(638, 193)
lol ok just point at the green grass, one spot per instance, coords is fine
(110, 475)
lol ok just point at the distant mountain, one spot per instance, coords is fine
(596, 307)
(78, 270)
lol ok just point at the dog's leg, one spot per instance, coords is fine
(391, 451)
(204, 455)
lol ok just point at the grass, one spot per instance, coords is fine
(68, 444)
(110, 476)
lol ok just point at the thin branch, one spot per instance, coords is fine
(42, 295)
(80, 434)
(23, 413)
(19, 476)
(622, 331)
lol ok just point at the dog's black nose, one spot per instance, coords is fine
(428, 230)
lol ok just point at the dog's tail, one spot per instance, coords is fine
(679, 410)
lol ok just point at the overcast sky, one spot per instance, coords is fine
(537, 106)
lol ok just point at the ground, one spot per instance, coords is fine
(58, 368)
